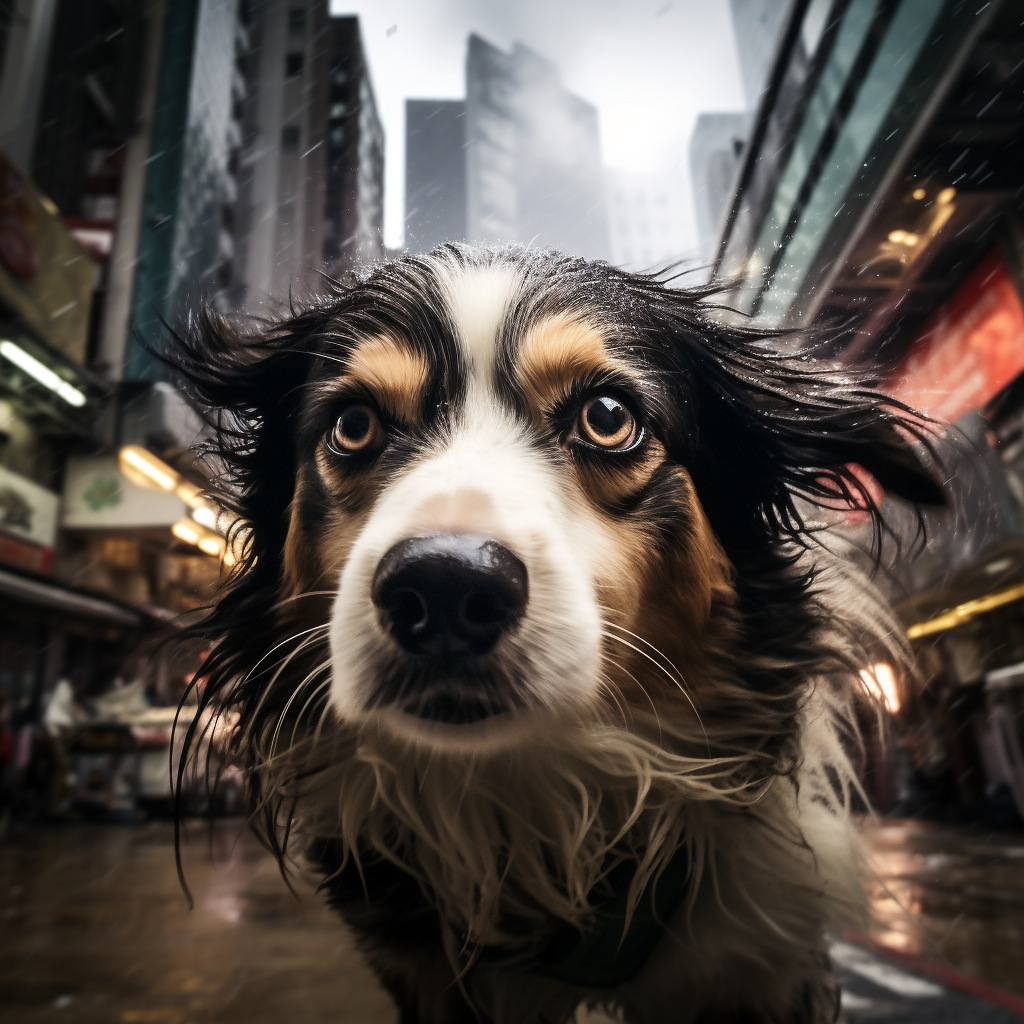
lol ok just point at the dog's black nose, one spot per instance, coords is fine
(449, 594)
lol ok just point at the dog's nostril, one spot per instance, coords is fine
(408, 609)
(484, 608)
(446, 595)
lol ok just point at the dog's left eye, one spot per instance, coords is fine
(358, 429)
(606, 423)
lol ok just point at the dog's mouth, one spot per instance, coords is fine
(463, 692)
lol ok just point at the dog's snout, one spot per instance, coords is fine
(449, 594)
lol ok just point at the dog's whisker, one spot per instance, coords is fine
(669, 676)
(278, 646)
(320, 689)
(291, 700)
(670, 665)
(643, 689)
(268, 687)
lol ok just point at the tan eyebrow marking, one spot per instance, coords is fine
(396, 374)
(558, 351)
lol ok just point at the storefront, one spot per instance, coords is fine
(879, 207)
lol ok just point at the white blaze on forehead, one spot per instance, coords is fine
(479, 298)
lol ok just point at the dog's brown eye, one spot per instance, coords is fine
(358, 429)
(604, 421)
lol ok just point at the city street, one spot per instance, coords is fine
(96, 930)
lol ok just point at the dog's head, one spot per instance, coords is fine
(505, 488)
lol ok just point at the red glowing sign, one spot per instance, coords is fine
(971, 347)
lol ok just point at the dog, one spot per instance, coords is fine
(535, 651)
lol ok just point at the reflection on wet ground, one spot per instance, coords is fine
(94, 929)
(953, 895)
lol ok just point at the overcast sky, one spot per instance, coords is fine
(649, 66)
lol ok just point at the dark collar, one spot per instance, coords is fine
(602, 957)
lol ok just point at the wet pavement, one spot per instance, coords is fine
(953, 896)
(95, 930)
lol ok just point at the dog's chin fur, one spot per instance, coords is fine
(682, 675)
(495, 732)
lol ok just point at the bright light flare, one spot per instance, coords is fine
(186, 530)
(144, 468)
(42, 373)
(205, 516)
(880, 682)
(211, 544)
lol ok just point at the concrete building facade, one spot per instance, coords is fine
(533, 155)
(311, 177)
(646, 219)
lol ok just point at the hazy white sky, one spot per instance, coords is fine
(649, 66)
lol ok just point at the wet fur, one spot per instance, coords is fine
(730, 639)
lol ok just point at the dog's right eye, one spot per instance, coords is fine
(358, 429)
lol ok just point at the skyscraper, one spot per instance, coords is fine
(312, 162)
(757, 26)
(533, 155)
(520, 160)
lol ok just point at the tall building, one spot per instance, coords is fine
(186, 241)
(716, 148)
(533, 155)
(435, 173)
(312, 164)
(757, 26)
(647, 222)
(355, 174)
(520, 160)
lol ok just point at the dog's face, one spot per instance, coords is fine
(492, 498)
(530, 489)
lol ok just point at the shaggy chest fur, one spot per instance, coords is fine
(526, 626)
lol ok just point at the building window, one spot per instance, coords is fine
(290, 138)
(293, 63)
(297, 20)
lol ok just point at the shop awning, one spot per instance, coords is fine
(71, 602)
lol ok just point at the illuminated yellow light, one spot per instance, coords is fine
(229, 557)
(947, 195)
(910, 238)
(188, 492)
(212, 545)
(919, 193)
(880, 682)
(965, 612)
(897, 236)
(205, 516)
(42, 373)
(186, 530)
(144, 468)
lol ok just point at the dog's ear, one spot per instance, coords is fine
(773, 427)
(248, 383)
